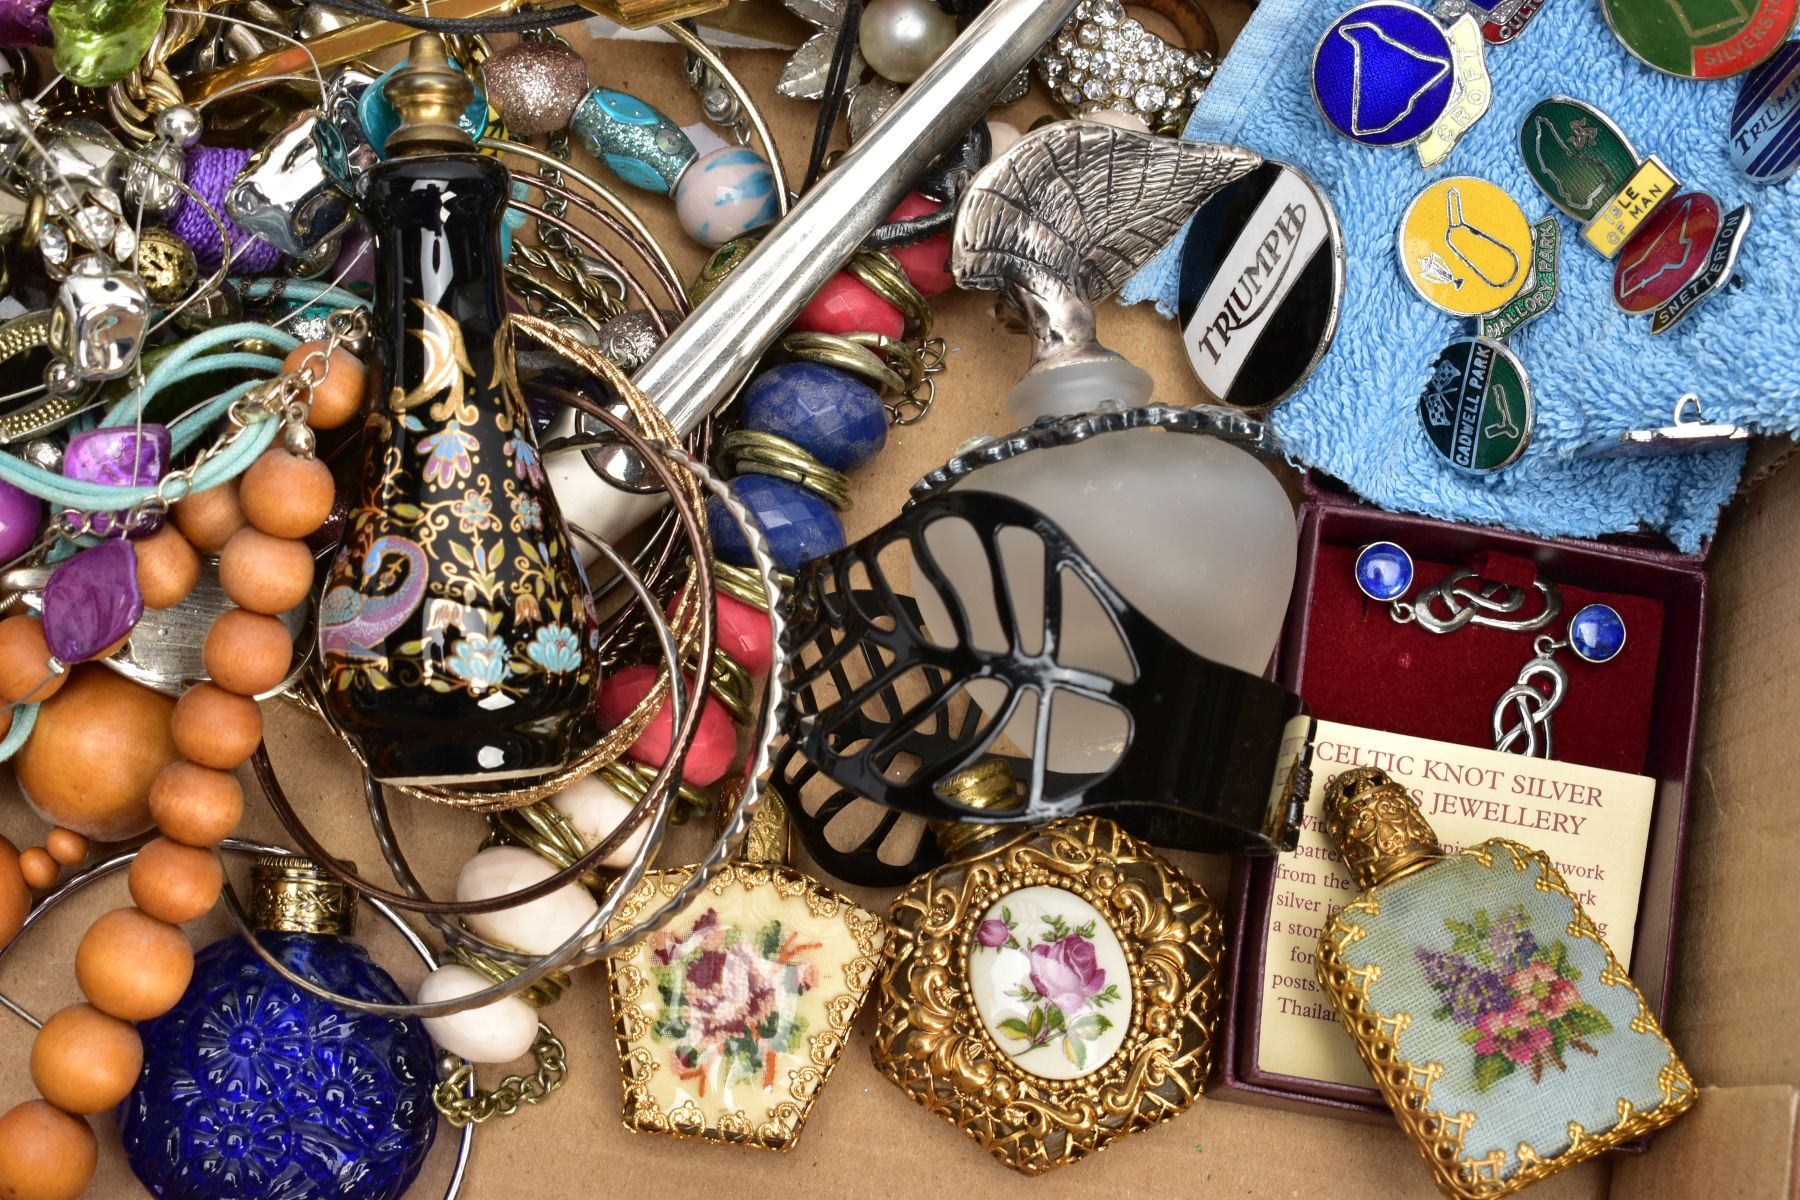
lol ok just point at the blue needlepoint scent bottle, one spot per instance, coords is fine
(253, 1088)
(1508, 1040)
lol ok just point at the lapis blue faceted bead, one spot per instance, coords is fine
(1384, 571)
(1597, 633)
(799, 525)
(830, 414)
(1383, 73)
(252, 1088)
(636, 141)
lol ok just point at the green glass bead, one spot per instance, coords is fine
(98, 42)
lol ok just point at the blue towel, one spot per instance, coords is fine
(1597, 372)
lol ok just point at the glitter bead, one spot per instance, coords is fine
(634, 140)
(535, 86)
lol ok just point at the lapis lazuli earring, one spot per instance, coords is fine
(1596, 635)
(1384, 573)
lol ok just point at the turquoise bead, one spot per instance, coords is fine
(379, 120)
(636, 142)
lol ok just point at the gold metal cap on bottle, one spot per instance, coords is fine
(290, 894)
(1377, 827)
(429, 95)
(769, 839)
(986, 785)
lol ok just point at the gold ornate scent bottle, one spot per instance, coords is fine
(730, 1018)
(1508, 1040)
(1051, 990)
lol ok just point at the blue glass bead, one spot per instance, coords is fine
(252, 1088)
(1597, 633)
(830, 414)
(1384, 571)
(379, 120)
(800, 526)
(1383, 73)
(635, 141)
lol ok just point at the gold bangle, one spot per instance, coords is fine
(880, 272)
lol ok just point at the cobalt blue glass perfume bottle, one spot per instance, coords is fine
(251, 1087)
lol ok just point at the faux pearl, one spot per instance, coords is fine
(246, 652)
(195, 804)
(537, 926)
(287, 496)
(926, 263)
(845, 306)
(133, 966)
(725, 194)
(45, 1154)
(265, 574)
(84, 1061)
(167, 567)
(594, 808)
(173, 882)
(494, 1033)
(209, 518)
(829, 413)
(715, 742)
(901, 38)
(214, 727)
(743, 632)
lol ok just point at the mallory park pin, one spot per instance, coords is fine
(1540, 293)
(1465, 246)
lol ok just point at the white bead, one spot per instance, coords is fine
(1113, 116)
(1003, 135)
(537, 926)
(594, 808)
(901, 38)
(494, 1033)
(724, 195)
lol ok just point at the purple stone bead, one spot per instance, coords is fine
(92, 600)
(24, 23)
(21, 520)
(121, 456)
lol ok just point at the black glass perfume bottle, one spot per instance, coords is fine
(456, 631)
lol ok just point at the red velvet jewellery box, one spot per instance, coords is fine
(1353, 663)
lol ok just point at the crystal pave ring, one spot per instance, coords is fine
(1384, 572)
(1103, 59)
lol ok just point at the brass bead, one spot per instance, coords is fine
(166, 265)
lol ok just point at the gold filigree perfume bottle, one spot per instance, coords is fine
(1508, 1040)
(1048, 991)
(730, 1018)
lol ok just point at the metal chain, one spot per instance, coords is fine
(461, 1106)
(595, 289)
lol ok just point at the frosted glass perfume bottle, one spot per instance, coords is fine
(1051, 990)
(1195, 532)
(1508, 1040)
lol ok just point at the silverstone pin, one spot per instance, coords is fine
(1586, 167)
(1262, 277)
(1465, 246)
(1701, 39)
(1476, 406)
(1765, 121)
(1669, 252)
(1384, 74)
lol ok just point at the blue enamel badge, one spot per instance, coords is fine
(1384, 73)
(1765, 121)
